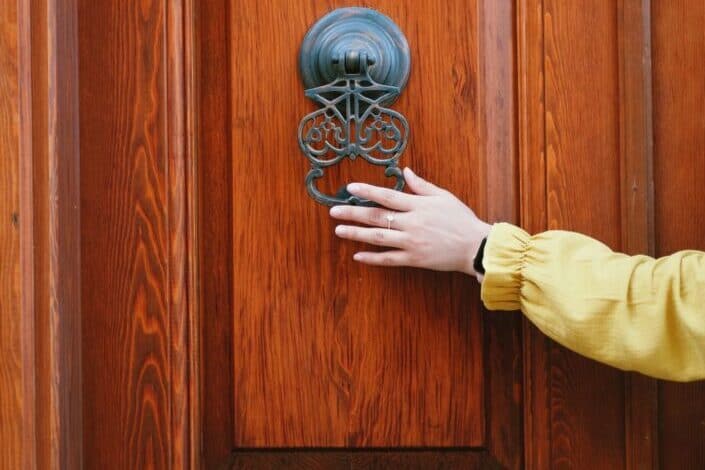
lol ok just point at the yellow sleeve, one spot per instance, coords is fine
(631, 312)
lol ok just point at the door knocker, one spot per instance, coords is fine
(353, 62)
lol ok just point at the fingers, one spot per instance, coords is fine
(373, 236)
(373, 216)
(385, 258)
(419, 185)
(383, 196)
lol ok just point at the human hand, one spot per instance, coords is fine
(430, 229)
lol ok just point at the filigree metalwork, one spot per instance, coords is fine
(351, 123)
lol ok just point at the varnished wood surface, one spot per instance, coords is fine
(533, 207)
(17, 437)
(40, 175)
(327, 352)
(57, 238)
(135, 171)
(498, 120)
(367, 460)
(583, 191)
(637, 205)
(138, 282)
(679, 170)
(216, 233)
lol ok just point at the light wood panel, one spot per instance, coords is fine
(679, 169)
(328, 352)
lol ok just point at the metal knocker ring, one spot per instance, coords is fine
(354, 62)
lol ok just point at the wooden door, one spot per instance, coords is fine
(314, 353)
(171, 298)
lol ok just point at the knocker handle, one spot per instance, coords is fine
(343, 196)
(354, 62)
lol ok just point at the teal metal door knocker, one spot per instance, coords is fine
(354, 62)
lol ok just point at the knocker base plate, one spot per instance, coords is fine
(355, 29)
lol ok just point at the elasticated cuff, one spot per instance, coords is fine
(504, 262)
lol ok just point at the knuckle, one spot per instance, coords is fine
(415, 259)
(387, 260)
(388, 197)
(376, 217)
(378, 235)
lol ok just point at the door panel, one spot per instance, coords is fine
(220, 321)
(679, 168)
(582, 181)
(327, 352)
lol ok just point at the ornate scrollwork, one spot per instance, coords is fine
(351, 123)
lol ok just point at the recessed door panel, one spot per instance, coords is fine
(327, 352)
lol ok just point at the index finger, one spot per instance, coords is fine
(389, 198)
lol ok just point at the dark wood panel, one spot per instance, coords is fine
(583, 191)
(679, 168)
(135, 180)
(374, 460)
(637, 205)
(216, 232)
(328, 352)
(497, 120)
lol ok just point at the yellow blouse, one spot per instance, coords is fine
(632, 312)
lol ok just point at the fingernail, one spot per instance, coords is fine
(353, 187)
(335, 210)
(409, 171)
(357, 256)
(340, 230)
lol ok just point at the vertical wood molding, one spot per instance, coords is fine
(533, 207)
(214, 135)
(498, 121)
(26, 206)
(193, 235)
(17, 362)
(637, 205)
(636, 126)
(178, 262)
(183, 233)
(56, 231)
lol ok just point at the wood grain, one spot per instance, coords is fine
(328, 352)
(679, 166)
(136, 174)
(215, 202)
(533, 207)
(40, 239)
(55, 214)
(583, 190)
(367, 460)
(17, 409)
(498, 116)
(637, 205)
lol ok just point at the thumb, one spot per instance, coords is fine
(419, 185)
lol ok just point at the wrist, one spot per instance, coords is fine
(480, 234)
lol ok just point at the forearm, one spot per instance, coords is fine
(635, 313)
